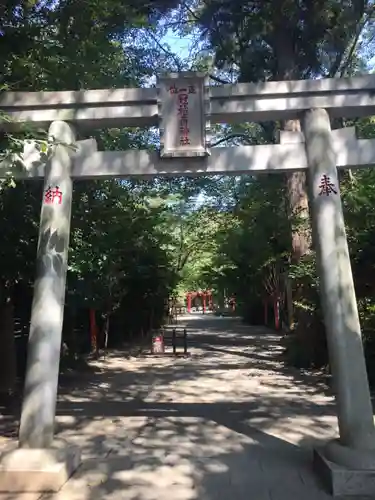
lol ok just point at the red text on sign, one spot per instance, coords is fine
(183, 111)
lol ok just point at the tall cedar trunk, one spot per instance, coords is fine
(94, 333)
(296, 181)
(106, 330)
(8, 358)
(151, 320)
(298, 206)
(73, 337)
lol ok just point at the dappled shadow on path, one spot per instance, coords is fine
(194, 458)
(226, 421)
(223, 422)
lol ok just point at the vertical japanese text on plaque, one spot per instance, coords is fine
(184, 114)
(183, 111)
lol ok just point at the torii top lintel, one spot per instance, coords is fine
(132, 107)
(199, 293)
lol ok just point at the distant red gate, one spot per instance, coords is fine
(206, 297)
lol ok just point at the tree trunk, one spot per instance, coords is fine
(73, 332)
(94, 333)
(106, 330)
(298, 206)
(8, 357)
(289, 302)
(151, 322)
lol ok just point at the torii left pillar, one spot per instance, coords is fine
(37, 465)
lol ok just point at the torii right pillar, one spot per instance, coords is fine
(347, 464)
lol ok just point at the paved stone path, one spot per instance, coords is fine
(227, 422)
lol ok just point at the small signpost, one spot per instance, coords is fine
(158, 344)
(175, 336)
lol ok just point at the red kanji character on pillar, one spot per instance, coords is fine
(53, 194)
(326, 186)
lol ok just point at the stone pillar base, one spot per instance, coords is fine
(342, 481)
(25, 470)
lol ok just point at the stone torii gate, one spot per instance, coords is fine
(183, 106)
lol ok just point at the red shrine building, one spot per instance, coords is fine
(205, 298)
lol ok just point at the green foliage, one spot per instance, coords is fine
(54, 45)
(12, 147)
(280, 38)
(190, 232)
